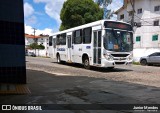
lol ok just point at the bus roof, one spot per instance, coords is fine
(96, 23)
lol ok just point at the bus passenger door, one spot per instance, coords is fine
(69, 47)
(97, 47)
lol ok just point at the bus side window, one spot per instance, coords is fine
(87, 33)
(78, 37)
(57, 40)
(50, 40)
(63, 39)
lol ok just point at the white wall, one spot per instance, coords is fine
(44, 52)
(44, 41)
(148, 15)
(137, 53)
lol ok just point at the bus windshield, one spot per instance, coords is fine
(119, 41)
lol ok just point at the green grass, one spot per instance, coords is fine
(136, 63)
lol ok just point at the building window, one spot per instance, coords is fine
(138, 38)
(157, 8)
(156, 23)
(122, 16)
(139, 11)
(154, 37)
(130, 13)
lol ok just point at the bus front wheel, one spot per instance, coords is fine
(86, 63)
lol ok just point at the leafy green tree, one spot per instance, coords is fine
(36, 46)
(41, 46)
(79, 12)
(33, 46)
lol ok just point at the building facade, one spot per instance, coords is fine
(42, 39)
(147, 14)
(12, 45)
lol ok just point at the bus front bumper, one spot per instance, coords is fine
(113, 63)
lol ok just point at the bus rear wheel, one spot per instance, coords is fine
(86, 63)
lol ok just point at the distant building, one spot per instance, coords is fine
(41, 39)
(146, 37)
(12, 46)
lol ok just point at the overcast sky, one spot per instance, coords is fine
(44, 15)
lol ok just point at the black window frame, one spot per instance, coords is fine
(87, 36)
(77, 37)
(138, 38)
(156, 8)
(139, 11)
(155, 37)
(156, 23)
(122, 16)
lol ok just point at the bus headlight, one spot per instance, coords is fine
(108, 56)
(130, 57)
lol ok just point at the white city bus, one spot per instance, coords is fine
(103, 43)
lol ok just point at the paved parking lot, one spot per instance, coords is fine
(145, 75)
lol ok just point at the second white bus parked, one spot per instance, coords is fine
(102, 43)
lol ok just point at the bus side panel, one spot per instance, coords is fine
(77, 53)
(62, 50)
(87, 49)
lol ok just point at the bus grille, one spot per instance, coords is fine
(119, 63)
(119, 55)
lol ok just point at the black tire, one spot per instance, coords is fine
(143, 62)
(110, 68)
(86, 63)
(58, 59)
(150, 64)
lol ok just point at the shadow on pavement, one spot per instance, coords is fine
(99, 69)
(53, 89)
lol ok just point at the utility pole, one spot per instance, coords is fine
(133, 7)
(34, 31)
(35, 39)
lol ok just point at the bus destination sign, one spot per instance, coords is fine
(117, 25)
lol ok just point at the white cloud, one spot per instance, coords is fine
(28, 9)
(52, 8)
(46, 31)
(31, 20)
